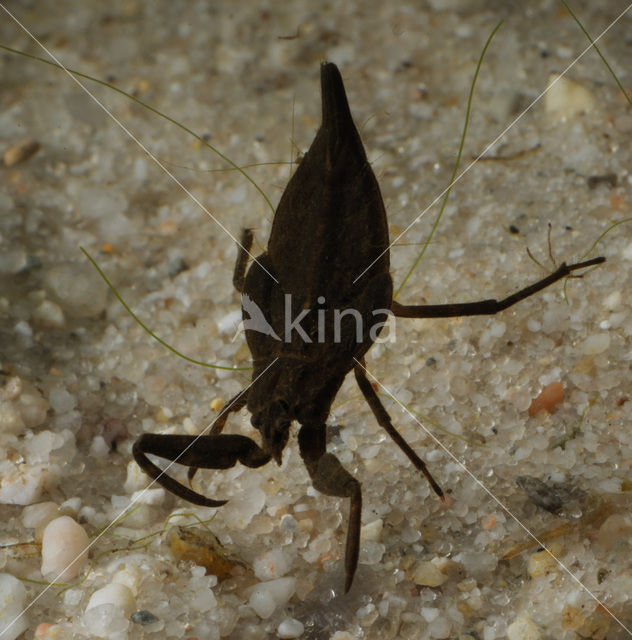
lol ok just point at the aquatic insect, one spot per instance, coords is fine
(310, 304)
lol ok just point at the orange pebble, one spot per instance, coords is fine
(617, 202)
(549, 397)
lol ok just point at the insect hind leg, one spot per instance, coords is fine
(384, 420)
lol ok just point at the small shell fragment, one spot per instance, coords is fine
(566, 98)
(203, 548)
(548, 399)
(116, 594)
(428, 575)
(20, 152)
(542, 563)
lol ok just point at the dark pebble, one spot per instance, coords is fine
(143, 617)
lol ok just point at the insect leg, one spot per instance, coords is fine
(236, 403)
(487, 307)
(384, 420)
(331, 478)
(207, 452)
(243, 252)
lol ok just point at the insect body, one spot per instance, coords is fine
(311, 303)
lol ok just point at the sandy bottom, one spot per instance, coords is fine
(80, 374)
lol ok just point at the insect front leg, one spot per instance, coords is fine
(206, 452)
(384, 420)
(488, 307)
(331, 478)
(236, 403)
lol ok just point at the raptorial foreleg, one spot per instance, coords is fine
(207, 452)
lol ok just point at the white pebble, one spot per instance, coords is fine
(114, 593)
(41, 444)
(61, 401)
(10, 419)
(229, 323)
(281, 589)
(566, 98)
(262, 603)
(272, 564)
(371, 552)
(12, 389)
(99, 448)
(88, 514)
(24, 484)
(439, 628)
(265, 597)
(36, 515)
(290, 628)
(429, 613)
(597, 343)
(64, 549)
(130, 576)
(49, 314)
(200, 593)
(149, 496)
(372, 531)
(533, 325)
(136, 478)
(223, 373)
(81, 292)
(12, 598)
(523, 628)
(478, 564)
(613, 301)
(369, 452)
(427, 574)
(71, 505)
(106, 621)
(245, 506)
(33, 408)
(23, 328)
(73, 597)
(409, 535)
